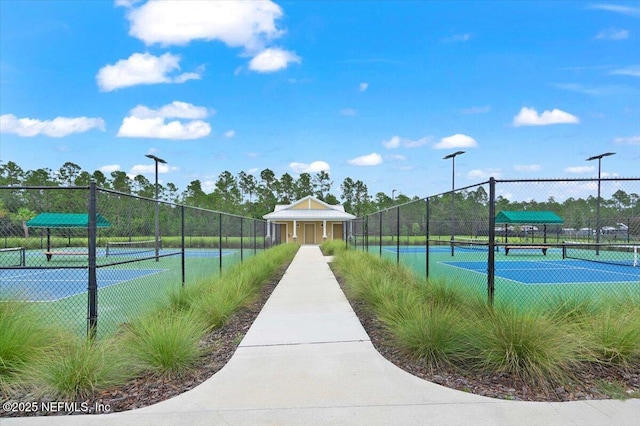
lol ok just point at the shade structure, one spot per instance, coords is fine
(543, 217)
(66, 220)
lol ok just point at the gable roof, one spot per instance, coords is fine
(530, 217)
(297, 211)
(66, 220)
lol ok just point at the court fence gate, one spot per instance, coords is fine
(461, 238)
(84, 255)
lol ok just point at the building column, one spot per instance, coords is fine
(295, 232)
(324, 230)
(268, 228)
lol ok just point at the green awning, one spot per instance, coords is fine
(66, 220)
(528, 217)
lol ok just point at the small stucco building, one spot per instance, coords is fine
(307, 221)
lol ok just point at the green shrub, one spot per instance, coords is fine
(78, 368)
(24, 338)
(166, 343)
(614, 336)
(527, 345)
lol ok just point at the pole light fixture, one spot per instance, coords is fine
(598, 227)
(157, 160)
(453, 187)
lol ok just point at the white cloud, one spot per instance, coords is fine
(273, 59)
(175, 109)
(527, 167)
(363, 86)
(56, 128)
(315, 167)
(252, 170)
(143, 68)
(397, 141)
(612, 34)
(396, 157)
(110, 168)
(456, 141)
(248, 24)
(631, 140)
(348, 112)
(372, 159)
(229, 134)
(145, 169)
(625, 10)
(392, 143)
(579, 169)
(458, 38)
(530, 117)
(632, 70)
(476, 110)
(484, 173)
(144, 122)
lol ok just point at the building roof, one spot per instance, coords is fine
(529, 217)
(307, 209)
(66, 220)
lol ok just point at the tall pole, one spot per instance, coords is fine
(599, 158)
(453, 188)
(157, 215)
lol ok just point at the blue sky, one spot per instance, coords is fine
(376, 91)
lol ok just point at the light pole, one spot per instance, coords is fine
(157, 160)
(393, 196)
(599, 158)
(453, 187)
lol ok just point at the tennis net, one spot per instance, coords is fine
(471, 244)
(12, 256)
(129, 248)
(615, 254)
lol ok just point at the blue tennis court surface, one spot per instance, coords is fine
(548, 272)
(46, 285)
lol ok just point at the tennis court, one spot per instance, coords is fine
(50, 285)
(527, 277)
(530, 272)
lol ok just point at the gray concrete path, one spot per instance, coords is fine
(306, 360)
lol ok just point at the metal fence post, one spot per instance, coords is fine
(92, 285)
(182, 243)
(220, 240)
(398, 234)
(492, 235)
(241, 238)
(426, 232)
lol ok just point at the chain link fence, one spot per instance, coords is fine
(521, 242)
(92, 259)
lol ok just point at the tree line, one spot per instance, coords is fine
(254, 196)
(242, 194)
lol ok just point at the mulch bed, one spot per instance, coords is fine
(221, 344)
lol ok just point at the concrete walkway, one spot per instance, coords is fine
(307, 361)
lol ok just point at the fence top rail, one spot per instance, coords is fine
(614, 179)
(475, 185)
(48, 187)
(111, 191)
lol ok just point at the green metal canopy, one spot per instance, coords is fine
(66, 220)
(529, 217)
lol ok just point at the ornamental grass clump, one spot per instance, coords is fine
(79, 367)
(527, 345)
(24, 338)
(614, 336)
(164, 343)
